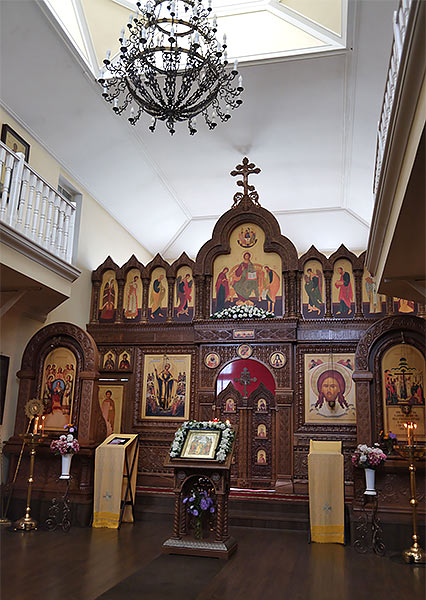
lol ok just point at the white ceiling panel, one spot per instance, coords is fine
(308, 123)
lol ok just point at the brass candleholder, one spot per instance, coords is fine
(414, 554)
(27, 523)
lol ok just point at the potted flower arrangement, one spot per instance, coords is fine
(369, 458)
(199, 504)
(66, 446)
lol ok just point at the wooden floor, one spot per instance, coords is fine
(268, 565)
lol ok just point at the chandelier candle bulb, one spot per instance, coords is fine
(108, 54)
(235, 65)
(122, 34)
(240, 81)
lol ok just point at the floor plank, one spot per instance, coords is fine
(268, 565)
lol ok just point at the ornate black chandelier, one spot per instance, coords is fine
(172, 67)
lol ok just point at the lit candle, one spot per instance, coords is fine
(42, 424)
(410, 432)
(35, 430)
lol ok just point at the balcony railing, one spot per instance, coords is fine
(33, 208)
(400, 21)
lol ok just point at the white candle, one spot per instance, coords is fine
(108, 54)
(235, 64)
(240, 81)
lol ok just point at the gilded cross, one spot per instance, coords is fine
(245, 380)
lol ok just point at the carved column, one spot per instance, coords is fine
(199, 287)
(96, 286)
(358, 273)
(298, 306)
(286, 294)
(145, 290)
(292, 293)
(120, 304)
(177, 516)
(421, 311)
(390, 305)
(207, 296)
(327, 277)
(364, 428)
(170, 303)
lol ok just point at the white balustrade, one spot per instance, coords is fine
(400, 20)
(33, 208)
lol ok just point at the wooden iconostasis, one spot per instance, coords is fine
(328, 366)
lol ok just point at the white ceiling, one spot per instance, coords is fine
(309, 123)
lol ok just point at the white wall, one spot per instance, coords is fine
(99, 236)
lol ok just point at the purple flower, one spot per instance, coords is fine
(212, 509)
(185, 500)
(204, 504)
(195, 512)
(392, 435)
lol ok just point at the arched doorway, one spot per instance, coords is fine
(245, 394)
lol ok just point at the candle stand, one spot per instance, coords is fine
(411, 452)
(57, 509)
(27, 523)
(368, 528)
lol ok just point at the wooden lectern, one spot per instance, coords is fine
(218, 544)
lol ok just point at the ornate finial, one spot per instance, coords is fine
(250, 194)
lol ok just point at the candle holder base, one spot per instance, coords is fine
(26, 523)
(415, 554)
(5, 522)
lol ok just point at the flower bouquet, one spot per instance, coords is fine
(66, 444)
(199, 504)
(368, 457)
(243, 311)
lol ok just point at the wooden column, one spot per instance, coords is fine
(171, 284)
(95, 301)
(119, 313)
(327, 277)
(358, 273)
(363, 381)
(292, 293)
(145, 290)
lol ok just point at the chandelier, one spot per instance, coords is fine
(172, 67)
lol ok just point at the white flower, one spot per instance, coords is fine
(363, 458)
(363, 447)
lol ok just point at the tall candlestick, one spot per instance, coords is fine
(35, 430)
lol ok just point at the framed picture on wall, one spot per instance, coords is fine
(14, 141)
(111, 402)
(329, 388)
(166, 386)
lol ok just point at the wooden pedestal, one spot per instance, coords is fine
(220, 544)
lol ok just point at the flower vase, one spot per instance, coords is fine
(66, 465)
(369, 482)
(198, 529)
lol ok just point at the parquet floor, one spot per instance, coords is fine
(268, 565)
